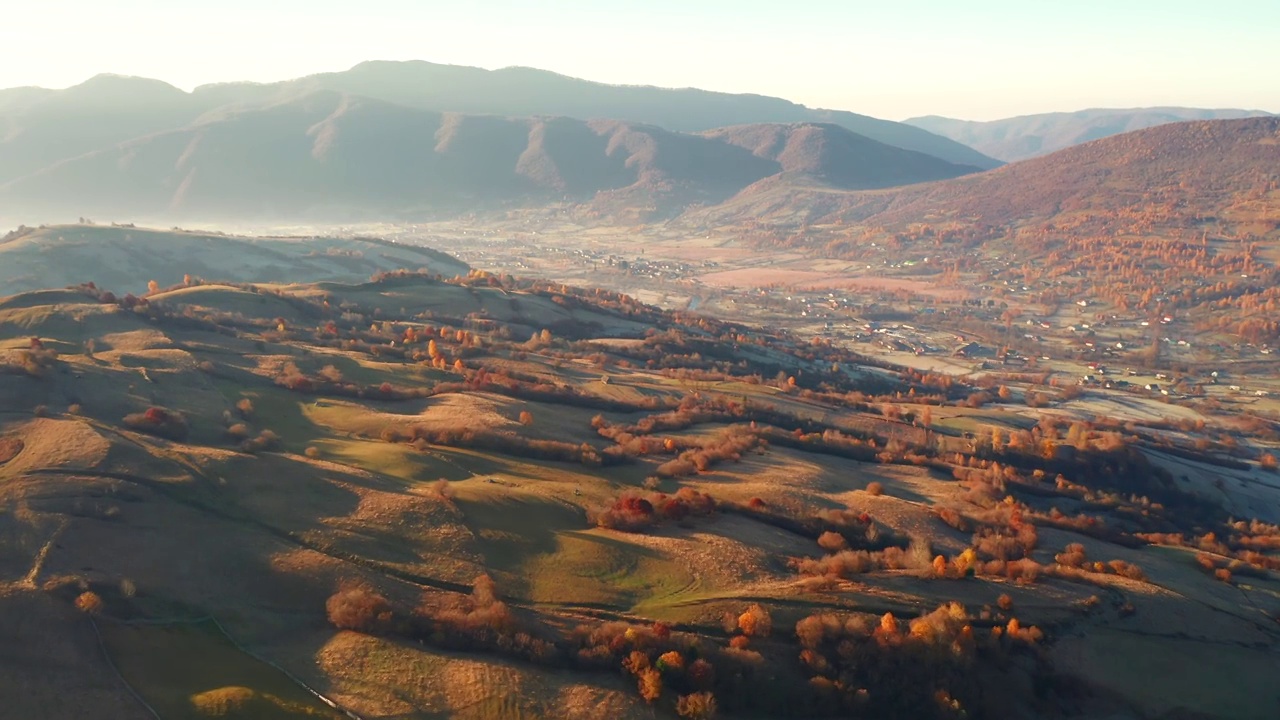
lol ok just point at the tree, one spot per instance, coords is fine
(153, 287)
(90, 602)
(650, 684)
(526, 417)
(755, 622)
(832, 541)
(696, 706)
(358, 608)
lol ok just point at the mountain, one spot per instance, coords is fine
(832, 155)
(1019, 138)
(124, 259)
(332, 155)
(40, 127)
(520, 91)
(1176, 175)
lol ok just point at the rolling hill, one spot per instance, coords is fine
(224, 498)
(128, 258)
(1179, 223)
(1019, 138)
(331, 156)
(520, 91)
(1182, 175)
(1182, 178)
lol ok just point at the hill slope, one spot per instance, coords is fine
(329, 155)
(1180, 179)
(1180, 173)
(125, 259)
(835, 156)
(391, 495)
(1019, 138)
(40, 127)
(527, 91)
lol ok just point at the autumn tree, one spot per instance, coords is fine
(90, 602)
(755, 622)
(832, 541)
(696, 706)
(359, 608)
(526, 418)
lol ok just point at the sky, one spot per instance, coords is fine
(971, 59)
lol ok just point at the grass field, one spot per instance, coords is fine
(262, 536)
(192, 672)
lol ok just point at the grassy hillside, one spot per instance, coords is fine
(129, 258)
(1028, 136)
(489, 497)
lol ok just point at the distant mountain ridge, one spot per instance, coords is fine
(521, 91)
(1027, 136)
(330, 155)
(1173, 180)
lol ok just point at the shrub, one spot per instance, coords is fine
(266, 440)
(358, 608)
(755, 622)
(696, 706)
(1073, 556)
(875, 488)
(952, 517)
(158, 421)
(90, 602)
(633, 512)
(832, 542)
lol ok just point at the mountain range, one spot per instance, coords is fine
(341, 145)
(1220, 173)
(1026, 136)
(416, 140)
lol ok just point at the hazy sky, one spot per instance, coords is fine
(976, 59)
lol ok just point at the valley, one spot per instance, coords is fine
(422, 391)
